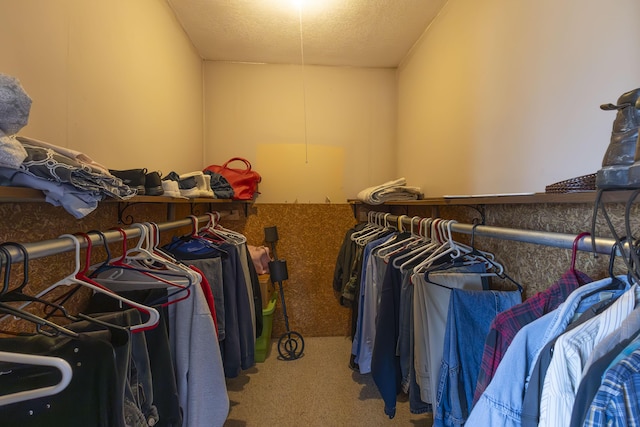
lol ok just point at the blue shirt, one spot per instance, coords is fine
(501, 403)
(617, 403)
(362, 345)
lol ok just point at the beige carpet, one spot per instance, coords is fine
(318, 389)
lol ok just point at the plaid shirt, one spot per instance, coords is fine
(617, 403)
(506, 324)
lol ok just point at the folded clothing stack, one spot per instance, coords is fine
(391, 191)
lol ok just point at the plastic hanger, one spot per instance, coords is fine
(616, 283)
(373, 228)
(395, 245)
(448, 247)
(143, 258)
(476, 255)
(424, 253)
(422, 248)
(17, 312)
(32, 359)
(371, 215)
(574, 251)
(497, 269)
(416, 239)
(39, 321)
(382, 227)
(208, 238)
(214, 229)
(142, 268)
(17, 294)
(79, 277)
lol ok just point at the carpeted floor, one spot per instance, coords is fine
(317, 389)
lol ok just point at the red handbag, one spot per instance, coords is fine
(243, 181)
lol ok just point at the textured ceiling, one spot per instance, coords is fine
(360, 33)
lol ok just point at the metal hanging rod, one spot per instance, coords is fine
(56, 246)
(545, 238)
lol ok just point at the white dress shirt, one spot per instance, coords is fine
(571, 352)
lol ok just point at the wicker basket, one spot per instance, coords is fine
(573, 185)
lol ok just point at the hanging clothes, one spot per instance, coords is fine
(616, 402)
(370, 280)
(502, 401)
(570, 353)
(533, 394)
(237, 338)
(470, 315)
(161, 361)
(92, 359)
(430, 312)
(597, 364)
(507, 324)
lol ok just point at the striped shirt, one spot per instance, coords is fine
(570, 353)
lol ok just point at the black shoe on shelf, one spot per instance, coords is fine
(134, 178)
(153, 184)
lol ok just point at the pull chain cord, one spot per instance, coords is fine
(304, 86)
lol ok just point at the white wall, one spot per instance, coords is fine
(503, 96)
(257, 111)
(116, 79)
(498, 96)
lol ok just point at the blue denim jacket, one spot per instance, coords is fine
(468, 322)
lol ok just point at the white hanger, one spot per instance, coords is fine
(32, 359)
(392, 246)
(448, 246)
(425, 246)
(213, 227)
(370, 225)
(143, 267)
(381, 226)
(73, 279)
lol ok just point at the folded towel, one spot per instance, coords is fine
(395, 190)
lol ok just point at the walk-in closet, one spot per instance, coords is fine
(319, 213)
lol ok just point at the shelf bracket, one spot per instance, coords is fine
(481, 210)
(193, 209)
(122, 206)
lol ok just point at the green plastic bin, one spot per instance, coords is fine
(263, 343)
